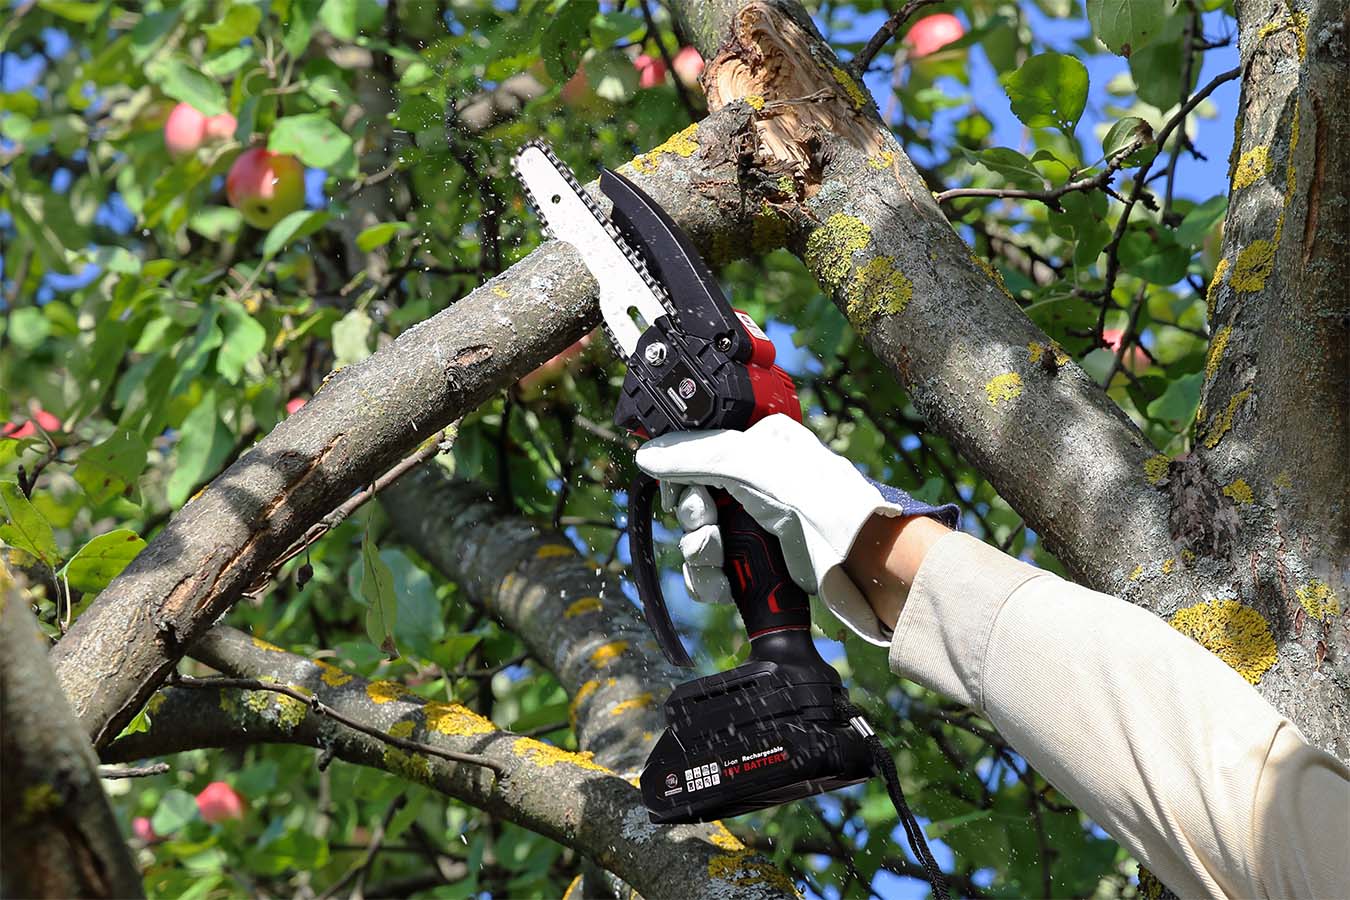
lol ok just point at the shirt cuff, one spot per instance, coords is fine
(944, 628)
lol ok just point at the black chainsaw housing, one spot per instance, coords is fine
(763, 733)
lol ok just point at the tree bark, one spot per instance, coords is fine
(567, 797)
(1272, 437)
(58, 836)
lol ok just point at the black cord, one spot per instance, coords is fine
(886, 767)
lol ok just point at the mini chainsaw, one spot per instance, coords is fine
(778, 727)
(767, 731)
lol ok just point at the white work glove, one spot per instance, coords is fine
(813, 500)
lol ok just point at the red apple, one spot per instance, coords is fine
(651, 71)
(186, 129)
(218, 802)
(141, 827)
(40, 419)
(931, 33)
(294, 404)
(1135, 360)
(688, 65)
(265, 186)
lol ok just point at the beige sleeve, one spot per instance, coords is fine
(1151, 735)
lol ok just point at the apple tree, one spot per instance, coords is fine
(1078, 267)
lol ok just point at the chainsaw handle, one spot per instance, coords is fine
(768, 599)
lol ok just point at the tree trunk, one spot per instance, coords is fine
(58, 836)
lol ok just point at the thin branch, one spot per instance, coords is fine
(1050, 197)
(685, 100)
(323, 709)
(884, 34)
(361, 870)
(114, 772)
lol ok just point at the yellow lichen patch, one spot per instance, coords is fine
(1252, 165)
(260, 701)
(290, 711)
(586, 689)
(1237, 634)
(1187, 557)
(743, 870)
(1284, 480)
(1003, 388)
(331, 674)
(724, 839)
(1137, 573)
(1212, 294)
(403, 729)
(882, 161)
(500, 291)
(553, 551)
(408, 765)
(1254, 264)
(1150, 888)
(830, 248)
(755, 101)
(878, 289)
(1297, 22)
(386, 691)
(768, 230)
(1168, 565)
(1155, 468)
(581, 607)
(264, 645)
(1240, 491)
(1217, 346)
(641, 701)
(607, 653)
(1037, 350)
(994, 274)
(1221, 423)
(855, 93)
(37, 799)
(682, 143)
(1318, 601)
(452, 718)
(545, 755)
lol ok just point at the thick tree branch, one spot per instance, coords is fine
(58, 836)
(565, 796)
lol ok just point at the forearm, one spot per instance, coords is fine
(886, 558)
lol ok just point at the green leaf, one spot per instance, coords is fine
(176, 809)
(451, 652)
(351, 337)
(379, 235)
(1010, 164)
(215, 222)
(1200, 221)
(298, 225)
(564, 40)
(28, 327)
(1048, 91)
(1126, 25)
(81, 11)
(108, 469)
(1157, 259)
(1176, 407)
(227, 63)
(1124, 133)
(203, 446)
(183, 82)
(241, 20)
(610, 27)
(377, 587)
(101, 560)
(420, 622)
(312, 137)
(612, 76)
(23, 527)
(300, 25)
(244, 340)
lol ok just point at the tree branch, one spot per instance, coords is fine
(564, 796)
(888, 30)
(58, 836)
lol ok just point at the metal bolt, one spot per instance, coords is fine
(655, 354)
(724, 343)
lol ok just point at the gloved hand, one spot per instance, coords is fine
(812, 499)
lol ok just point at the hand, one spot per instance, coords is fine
(813, 500)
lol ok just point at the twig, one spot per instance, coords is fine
(1113, 248)
(438, 444)
(112, 772)
(884, 34)
(1050, 197)
(362, 868)
(323, 709)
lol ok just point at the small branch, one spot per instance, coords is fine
(863, 60)
(323, 709)
(685, 100)
(441, 443)
(113, 772)
(361, 870)
(1099, 181)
